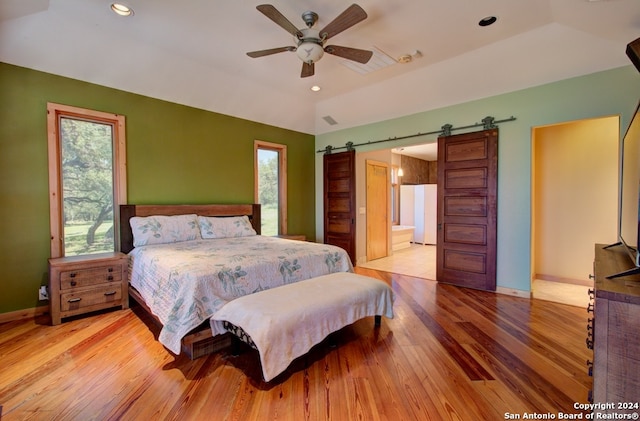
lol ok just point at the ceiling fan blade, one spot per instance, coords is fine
(345, 20)
(355, 54)
(262, 53)
(272, 13)
(308, 69)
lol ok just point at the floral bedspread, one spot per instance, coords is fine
(185, 283)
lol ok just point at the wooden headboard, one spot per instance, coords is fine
(128, 211)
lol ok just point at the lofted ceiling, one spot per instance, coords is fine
(194, 52)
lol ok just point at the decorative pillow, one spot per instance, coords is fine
(161, 229)
(225, 227)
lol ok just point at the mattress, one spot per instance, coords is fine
(185, 283)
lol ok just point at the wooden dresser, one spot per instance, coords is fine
(82, 284)
(614, 334)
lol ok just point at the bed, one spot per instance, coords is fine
(182, 283)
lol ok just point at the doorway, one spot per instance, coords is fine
(574, 204)
(417, 259)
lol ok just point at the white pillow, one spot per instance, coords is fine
(161, 229)
(225, 227)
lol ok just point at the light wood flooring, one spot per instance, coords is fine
(448, 354)
(420, 261)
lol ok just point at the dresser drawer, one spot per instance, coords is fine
(108, 295)
(92, 276)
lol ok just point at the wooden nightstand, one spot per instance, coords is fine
(81, 284)
(299, 237)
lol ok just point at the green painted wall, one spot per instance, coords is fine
(612, 92)
(175, 154)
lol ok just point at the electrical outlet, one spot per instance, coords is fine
(43, 294)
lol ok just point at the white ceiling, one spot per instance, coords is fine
(193, 52)
(427, 151)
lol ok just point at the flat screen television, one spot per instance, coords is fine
(629, 197)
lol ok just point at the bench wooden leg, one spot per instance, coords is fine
(377, 321)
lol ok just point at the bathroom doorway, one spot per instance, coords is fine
(574, 204)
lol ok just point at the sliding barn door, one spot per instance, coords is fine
(467, 211)
(340, 201)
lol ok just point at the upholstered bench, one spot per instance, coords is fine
(284, 323)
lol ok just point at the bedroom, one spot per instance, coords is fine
(195, 145)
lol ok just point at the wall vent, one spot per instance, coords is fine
(330, 120)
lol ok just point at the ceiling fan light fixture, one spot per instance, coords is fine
(309, 52)
(310, 42)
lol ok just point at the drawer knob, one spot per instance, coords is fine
(72, 275)
(110, 278)
(74, 300)
(589, 343)
(110, 270)
(73, 283)
(590, 308)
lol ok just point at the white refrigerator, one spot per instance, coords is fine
(419, 208)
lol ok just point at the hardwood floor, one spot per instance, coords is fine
(448, 354)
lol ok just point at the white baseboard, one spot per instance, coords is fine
(514, 292)
(552, 278)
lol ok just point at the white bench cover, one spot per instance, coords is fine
(286, 322)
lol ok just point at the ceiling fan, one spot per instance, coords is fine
(310, 42)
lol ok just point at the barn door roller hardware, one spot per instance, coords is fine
(487, 123)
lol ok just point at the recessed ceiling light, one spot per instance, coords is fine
(315, 88)
(489, 20)
(122, 9)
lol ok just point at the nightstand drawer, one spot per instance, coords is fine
(87, 283)
(92, 276)
(102, 296)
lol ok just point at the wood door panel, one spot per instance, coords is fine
(340, 185)
(338, 240)
(340, 204)
(466, 178)
(465, 206)
(465, 261)
(465, 234)
(340, 226)
(467, 214)
(466, 151)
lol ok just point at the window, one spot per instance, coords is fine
(271, 186)
(87, 179)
